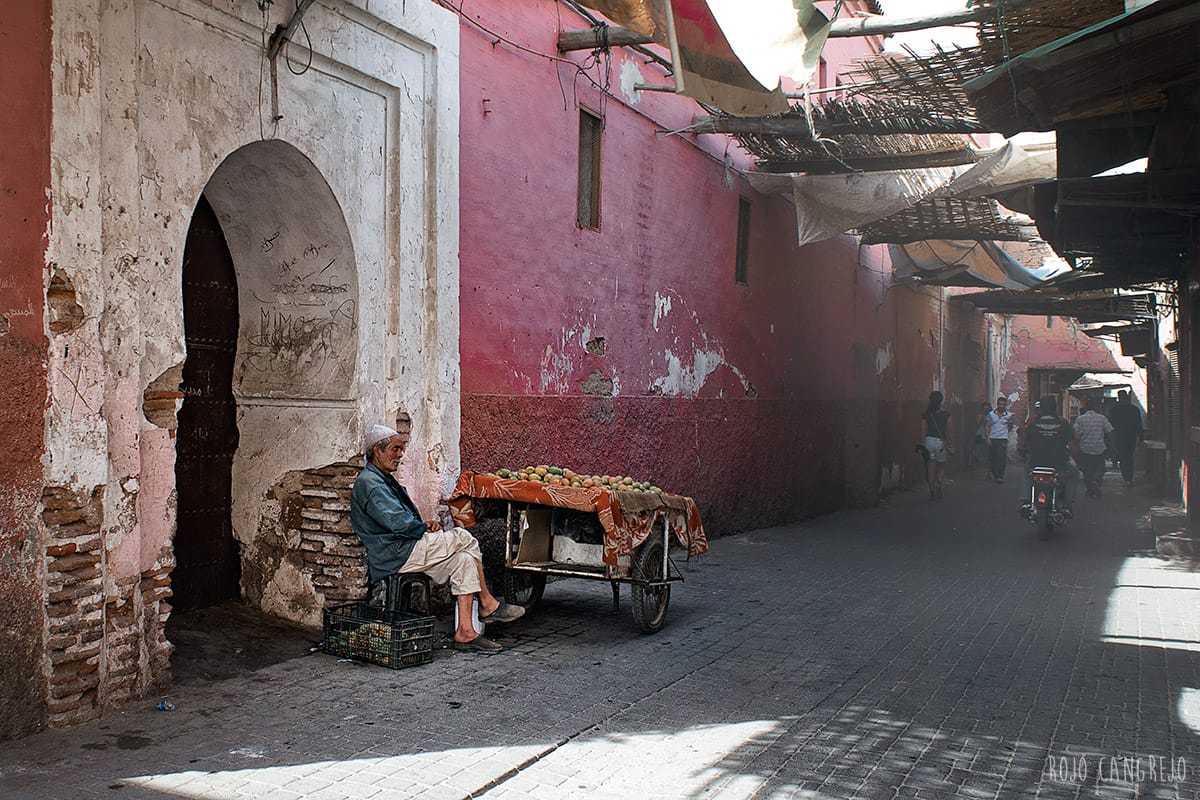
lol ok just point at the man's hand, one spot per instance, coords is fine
(434, 525)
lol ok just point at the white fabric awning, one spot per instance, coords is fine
(830, 205)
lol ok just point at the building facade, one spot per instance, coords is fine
(219, 266)
(680, 333)
(221, 269)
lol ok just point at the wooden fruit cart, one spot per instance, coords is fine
(634, 532)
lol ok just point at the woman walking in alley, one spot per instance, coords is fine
(935, 430)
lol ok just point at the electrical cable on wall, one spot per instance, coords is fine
(602, 86)
(287, 53)
(262, 63)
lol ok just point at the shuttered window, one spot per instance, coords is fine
(588, 211)
(743, 241)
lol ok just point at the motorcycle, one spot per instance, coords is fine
(1046, 508)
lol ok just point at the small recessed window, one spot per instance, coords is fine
(743, 241)
(588, 204)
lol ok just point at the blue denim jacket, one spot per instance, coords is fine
(385, 519)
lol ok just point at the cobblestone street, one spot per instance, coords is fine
(926, 650)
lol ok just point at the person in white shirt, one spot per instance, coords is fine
(1093, 433)
(999, 425)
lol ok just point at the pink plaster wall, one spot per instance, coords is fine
(1036, 344)
(783, 417)
(24, 218)
(156, 509)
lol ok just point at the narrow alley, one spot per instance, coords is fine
(920, 649)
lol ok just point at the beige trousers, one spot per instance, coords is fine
(451, 555)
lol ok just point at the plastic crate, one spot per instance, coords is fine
(394, 639)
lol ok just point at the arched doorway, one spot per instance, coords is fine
(207, 567)
(270, 377)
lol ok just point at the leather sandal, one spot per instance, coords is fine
(504, 613)
(480, 644)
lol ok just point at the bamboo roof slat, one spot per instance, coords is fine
(976, 219)
(1013, 31)
(932, 82)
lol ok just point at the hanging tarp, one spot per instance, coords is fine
(730, 53)
(830, 205)
(966, 263)
(771, 37)
(647, 17)
(1013, 166)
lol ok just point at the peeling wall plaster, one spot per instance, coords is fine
(693, 356)
(662, 307)
(155, 96)
(631, 76)
(687, 380)
(883, 357)
(563, 358)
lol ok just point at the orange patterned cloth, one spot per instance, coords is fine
(627, 517)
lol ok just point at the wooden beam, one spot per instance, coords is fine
(593, 38)
(797, 126)
(1165, 190)
(879, 163)
(885, 25)
(792, 127)
(1020, 233)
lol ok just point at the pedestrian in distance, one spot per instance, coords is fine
(1126, 420)
(396, 540)
(935, 432)
(999, 426)
(1093, 436)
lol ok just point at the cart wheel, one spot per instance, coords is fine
(649, 602)
(522, 588)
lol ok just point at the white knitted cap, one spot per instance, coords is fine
(374, 435)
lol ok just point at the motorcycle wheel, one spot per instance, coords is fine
(1044, 524)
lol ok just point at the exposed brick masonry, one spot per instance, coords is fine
(331, 553)
(101, 650)
(74, 602)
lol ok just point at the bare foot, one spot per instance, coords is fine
(468, 635)
(485, 609)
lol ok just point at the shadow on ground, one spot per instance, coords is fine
(232, 639)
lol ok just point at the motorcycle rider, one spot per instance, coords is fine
(1049, 442)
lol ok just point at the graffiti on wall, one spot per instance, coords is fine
(300, 327)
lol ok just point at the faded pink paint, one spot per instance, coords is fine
(763, 401)
(24, 221)
(1062, 345)
(156, 508)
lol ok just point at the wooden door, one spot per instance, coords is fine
(207, 568)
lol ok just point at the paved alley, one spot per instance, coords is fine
(925, 650)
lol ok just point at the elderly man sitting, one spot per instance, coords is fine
(396, 540)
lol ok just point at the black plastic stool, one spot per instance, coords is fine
(407, 591)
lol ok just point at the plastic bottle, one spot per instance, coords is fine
(476, 622)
